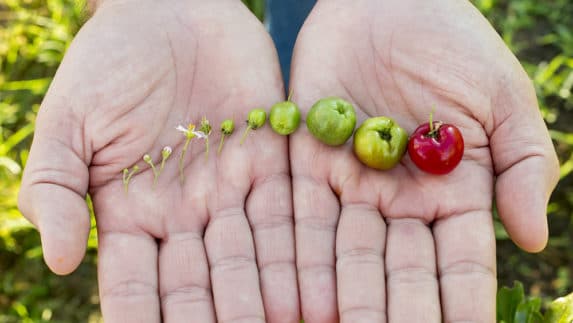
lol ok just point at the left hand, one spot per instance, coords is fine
(402, 245)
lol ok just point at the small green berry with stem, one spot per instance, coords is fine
(127, 174)
(227, 128)
(255, 120)
(165, 153)
(285, 117)
(206, 129)
(189, 133)
(147, 159)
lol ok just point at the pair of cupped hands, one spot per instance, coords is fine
(281, 228)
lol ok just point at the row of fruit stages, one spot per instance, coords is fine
(379, 143)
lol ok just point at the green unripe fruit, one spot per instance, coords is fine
(284, 118)
(331, 120)
(227, 127)
(256, 118)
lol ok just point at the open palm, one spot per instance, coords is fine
(403, 245)
(217, 246)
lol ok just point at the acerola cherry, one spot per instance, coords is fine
(436, 147)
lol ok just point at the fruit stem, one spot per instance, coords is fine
(127, 176)
(433, 129)
(431, 120)
(245, 134)
(125, 182)
(181, 158)
(149, 161)
(207, 149)
(290, 95)
(221, 144)
(160, 170)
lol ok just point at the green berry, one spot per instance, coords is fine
(284, 118)
(227, 127)
(256, 118)
(331, 120)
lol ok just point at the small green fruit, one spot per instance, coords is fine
(227, 127)
(255, 120)
(331, 120)
(284, 117)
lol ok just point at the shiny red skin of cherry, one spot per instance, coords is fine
(439, 153)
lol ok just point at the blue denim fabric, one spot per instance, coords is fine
(283, 20)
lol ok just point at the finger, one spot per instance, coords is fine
(411, 273)
(465, 246)
(360, 241)
(316, 210)
(525, 163)
(234, 274)
(185, 286)
(127, 275)
(52, 194)
(269, 208)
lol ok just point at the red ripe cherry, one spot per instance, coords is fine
(436, 149)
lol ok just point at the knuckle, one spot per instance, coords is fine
(192, 293)
(129, 288)
(360, 256)
(317, 223)
(233, 263)
(411, 274)
(466, 267)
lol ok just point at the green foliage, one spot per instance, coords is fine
(514, 307)
(560, 310)
(257, 7)
(540, 33)
(34, 35)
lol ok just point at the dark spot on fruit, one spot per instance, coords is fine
(385, 135)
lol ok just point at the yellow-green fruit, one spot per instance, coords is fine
(380, 143)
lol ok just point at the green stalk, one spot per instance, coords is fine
(207, 149)
(245, 134)
(181, 158)
(221, 144)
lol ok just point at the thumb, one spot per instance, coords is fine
(525, 163)
(54, 185)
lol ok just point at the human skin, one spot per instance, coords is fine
(218, 247)
(403, 245)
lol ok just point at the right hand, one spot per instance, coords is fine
(220, 246)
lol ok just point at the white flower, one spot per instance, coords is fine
(200, 134)
(166, 152)
(190, 132)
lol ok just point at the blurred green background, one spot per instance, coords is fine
(34, 35)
